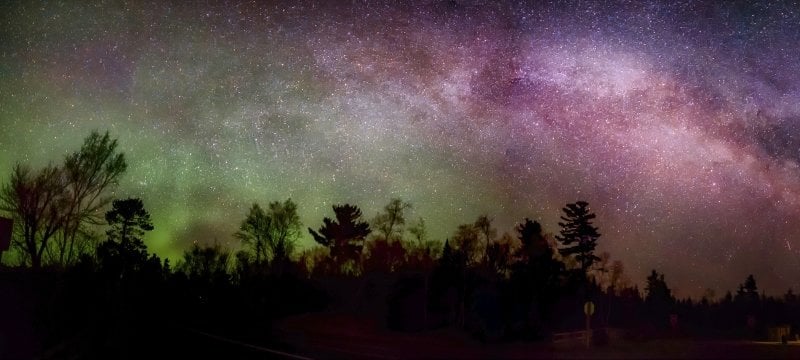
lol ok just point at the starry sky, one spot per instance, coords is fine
(679, 123)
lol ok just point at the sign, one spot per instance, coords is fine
(588, 308)
(6, 225)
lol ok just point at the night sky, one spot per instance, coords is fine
(679, 124)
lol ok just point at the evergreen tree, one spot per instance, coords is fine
(344, 236)
(657, 289)
(124, 251)
(128, 220)
(536, 275)
(578, 236)
(451, 258)
(448, 283)
(748, 292)
(659, 300)
(534, 244)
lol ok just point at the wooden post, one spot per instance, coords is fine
(588, 310)
(588, 331)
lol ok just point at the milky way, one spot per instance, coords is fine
(678, 123)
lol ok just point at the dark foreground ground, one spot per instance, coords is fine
(340, 337)
(329, 336)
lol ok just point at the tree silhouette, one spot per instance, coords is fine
(420, 232)
(578, 236)
(465, 255)
(448, 283)
(87, 174)
(385, 252)
(124, 251)
(54, 206)
(206, 263)
(284, 230)
(128, 220)
(533, 243)
(790, 297)
(658, 298)
(424, 252)
(484, 226)
(498, 255)
(617, 279)
(449, 257)
(466, 240)
(389, 223)
(271, 235)
(344, 236)
(657, 289)
(748, 292)
(253, 232)
(384, 256)
(536, 275)
(32, 201)
(315, 261)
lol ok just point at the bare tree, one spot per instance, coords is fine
(56, 206)
(86, 175)
(423, 253)
(389, 223)
(206, 263)
(253, 232)
(284, 229)
(271, 234)
(466, 240)
(419, 231)
(32, 201)
(484, 226)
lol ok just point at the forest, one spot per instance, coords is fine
(79, 281)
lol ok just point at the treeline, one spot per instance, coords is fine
(103, 293)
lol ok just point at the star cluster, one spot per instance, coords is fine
(677, 122)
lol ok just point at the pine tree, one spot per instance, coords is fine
(748, 291)
(344, 236)
(578, 236)
(536, 275)
(124, 251)
(659, 300)
(657, 289)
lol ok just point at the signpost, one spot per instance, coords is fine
(588, 310)
(6, 225)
